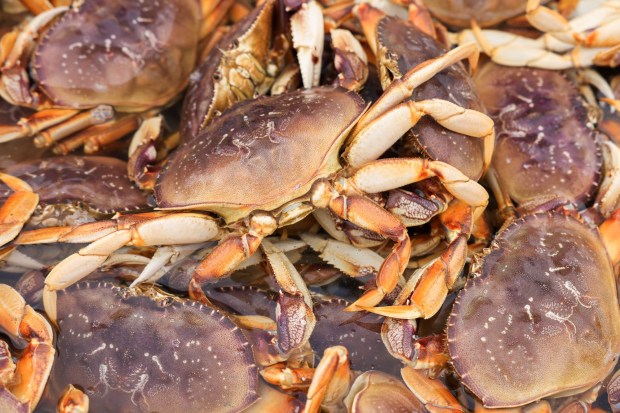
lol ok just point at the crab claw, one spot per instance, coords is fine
(73, 400)
(331, 380)
(308, 38)
(17, 209)
(31, 330)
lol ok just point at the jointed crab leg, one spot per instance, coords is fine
(295, 317)
(389, 114)
(17, 209)
(512, 50)
(440, 275)
(432, 392)
(109, 236)
(598, 27)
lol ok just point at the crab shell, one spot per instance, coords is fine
(260, 154)
(541, 318)
(129, 54)
(402, 47)
(143, 351)
(544, 147)
(99, 182)
(460, 13)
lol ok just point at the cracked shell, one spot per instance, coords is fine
(148, 352)
(541, 318)
(249, 158)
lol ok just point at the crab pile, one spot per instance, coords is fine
(314, 205)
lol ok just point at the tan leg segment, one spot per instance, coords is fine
(331, 381)
(380, 134)
(225, 258)
(366, 214)
(400, 89)
(17, 209)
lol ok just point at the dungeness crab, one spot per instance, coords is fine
(95, 56)
(540, 317)
(258, 143)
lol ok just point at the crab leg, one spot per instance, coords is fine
(73, 400)
(391, 173)
(294, 315)
(107, 237)
(598, 27)
(349, 259)
(383, 131)
(511, 50)
(331, 380)
(401, 89)
(17, 209)
(440, 275)
(608, 196)
(366, 214)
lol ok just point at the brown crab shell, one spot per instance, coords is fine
(100, 183)
(260, 153)
(137, 353)
(401, 47)
(460, 13)
(544, 146)
(541, 318)
(205, 96)
(133, 54)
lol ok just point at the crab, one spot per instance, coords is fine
(540, 316)
(54, 189)
(395, 56)
(536, 160)
(83, 70)
(22, 384)
(254, 138)
(145, 350)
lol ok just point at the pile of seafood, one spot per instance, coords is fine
(309, 205)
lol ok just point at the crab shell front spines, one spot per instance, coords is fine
(132, 55)
(542, 318)
(260, 154)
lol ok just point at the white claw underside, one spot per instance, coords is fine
(308, 37)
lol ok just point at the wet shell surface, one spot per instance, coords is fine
(100, 183)
(136, 353)
(542, 316)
